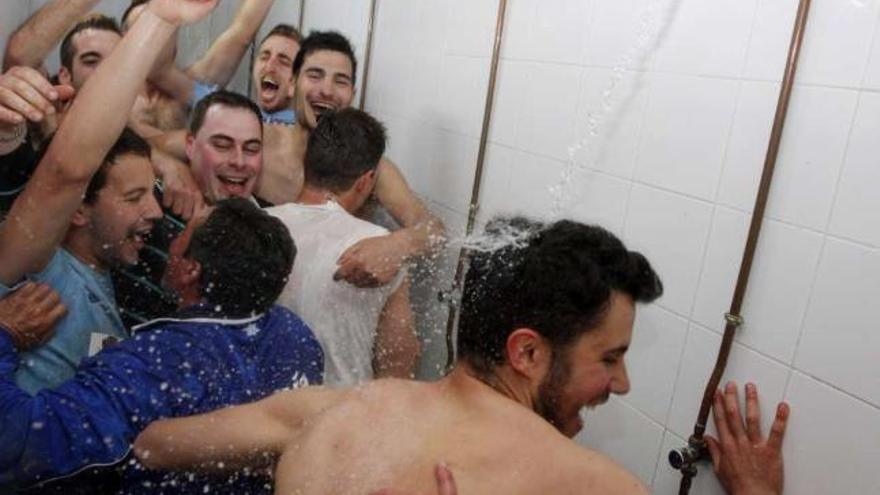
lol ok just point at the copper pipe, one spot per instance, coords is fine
(734, 320)
(302, 15)
(368, 51)
(478, 177)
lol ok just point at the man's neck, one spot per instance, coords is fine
(79, 244)
(311, 195)
(465, 378)
(300, 142)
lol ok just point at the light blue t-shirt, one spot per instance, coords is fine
(283, 117)
(91, 314)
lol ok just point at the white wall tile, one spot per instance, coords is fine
(686, 126)
(872, 73)
(495, 196)
(598, 198)
(451, 174)
(837, 42)
(609, 120)
(531, 181)
(747, 146)
(708, 38)
(811, 155)
(744, 365)
(840, 342)
(668, 480)
(624, 33)
(547, 117)
(559, 30)
(831, 444)
(720, 267)
(653, 360)
(779, 289)
(622, 433)
(856, 213)
(771, 33)
(655, 217)
(471, 27)
(282, 11)
(511, 88)
(463, 83)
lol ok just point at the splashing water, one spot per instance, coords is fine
(654, 24)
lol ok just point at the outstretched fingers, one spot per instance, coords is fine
(777, 429)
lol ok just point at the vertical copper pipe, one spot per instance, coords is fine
(302, 15)
(368, 51)
(734, 320)
(478, 176)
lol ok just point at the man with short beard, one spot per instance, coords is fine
(546, 321)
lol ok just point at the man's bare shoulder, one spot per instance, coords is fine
(589, 472)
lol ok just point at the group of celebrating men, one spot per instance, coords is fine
(170, 248)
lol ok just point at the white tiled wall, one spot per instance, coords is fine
(667, 106)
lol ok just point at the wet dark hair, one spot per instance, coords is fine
(94, 21)
(128, 143)
(557, 280)
(285, 30)
(225, 98)
(343, 146)
(246, 256)
(134, 5)
(325, 40)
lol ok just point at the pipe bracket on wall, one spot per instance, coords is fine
(685, 459)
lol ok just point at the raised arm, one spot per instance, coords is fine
(31, 43)
(251, 435)
(375, 261)
(397, 346)
(218, 64)
(39, 218)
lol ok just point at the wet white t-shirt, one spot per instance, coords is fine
(343, 317)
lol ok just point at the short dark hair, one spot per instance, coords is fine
(246, 256)
(225, 98)
(128, 143)
(285, 30)
(134, 4)
(94, 21)
(325, 40)
(556, 280)
(342, 147)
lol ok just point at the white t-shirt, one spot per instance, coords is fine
(343, 317)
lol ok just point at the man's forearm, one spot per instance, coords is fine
(32, 42)
(424, 237)
(218, 65)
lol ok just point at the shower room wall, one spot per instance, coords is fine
(669, 141)
(428, 81)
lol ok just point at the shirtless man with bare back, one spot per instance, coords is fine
(545, 324)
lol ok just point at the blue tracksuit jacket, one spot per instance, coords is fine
(190, 364)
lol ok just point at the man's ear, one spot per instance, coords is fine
(190, 139)
(365, 183)
(191, 272)
(528, 353)
(81, 217)
(64, 76)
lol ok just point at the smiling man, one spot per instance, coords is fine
(224, 147)
(545, 325)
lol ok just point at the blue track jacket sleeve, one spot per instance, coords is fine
(91, 419)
